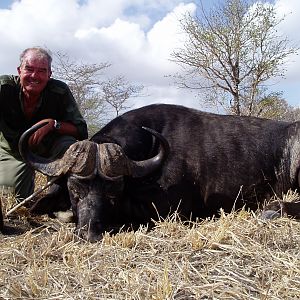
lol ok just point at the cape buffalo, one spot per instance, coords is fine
(213, 161)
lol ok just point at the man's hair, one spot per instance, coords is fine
(41, 53)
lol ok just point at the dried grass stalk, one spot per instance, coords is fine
(237, 256)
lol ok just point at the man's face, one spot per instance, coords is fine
(34, 74)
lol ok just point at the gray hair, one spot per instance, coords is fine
(41, 53)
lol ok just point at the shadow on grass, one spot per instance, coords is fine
(13, 230)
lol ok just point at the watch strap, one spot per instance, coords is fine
(57, 124)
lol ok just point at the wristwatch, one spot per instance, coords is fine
(57, 124)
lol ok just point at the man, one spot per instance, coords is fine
(26, 99)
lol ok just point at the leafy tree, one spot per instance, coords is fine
(274, 106)
(293, 114)
(231, 52)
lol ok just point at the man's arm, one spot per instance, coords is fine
(65, 128)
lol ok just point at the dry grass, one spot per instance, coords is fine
(237, 256)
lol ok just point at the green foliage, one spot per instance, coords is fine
(273, 106)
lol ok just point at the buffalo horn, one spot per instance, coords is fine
(49, 167)
(146, 167)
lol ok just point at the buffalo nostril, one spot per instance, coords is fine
(94, 237)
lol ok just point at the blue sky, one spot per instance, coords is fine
(4, 3)
(135, 36)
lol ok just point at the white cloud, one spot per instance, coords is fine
(166, 35)
(32, 20)
(136, 36)
(143, 56)
(122, 36)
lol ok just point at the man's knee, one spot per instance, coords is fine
(16, 177)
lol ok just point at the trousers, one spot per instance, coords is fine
(17, 177)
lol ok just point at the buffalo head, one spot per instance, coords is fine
(95, 177)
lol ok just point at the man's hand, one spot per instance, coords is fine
(37, 137)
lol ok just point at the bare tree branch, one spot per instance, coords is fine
(117, 91)
(231, 52)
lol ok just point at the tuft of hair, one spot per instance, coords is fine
(41, 52)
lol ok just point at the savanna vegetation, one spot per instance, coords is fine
(230, 54)
(238, 256)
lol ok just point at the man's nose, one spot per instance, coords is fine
(34, 73)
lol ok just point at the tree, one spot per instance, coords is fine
(231, 52)
(117, 91)
(93, 92)
(293, 114)
(85, 81)
(274, 106)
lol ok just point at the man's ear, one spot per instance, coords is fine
(19, 70)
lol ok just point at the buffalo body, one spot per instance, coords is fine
(213, 161)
